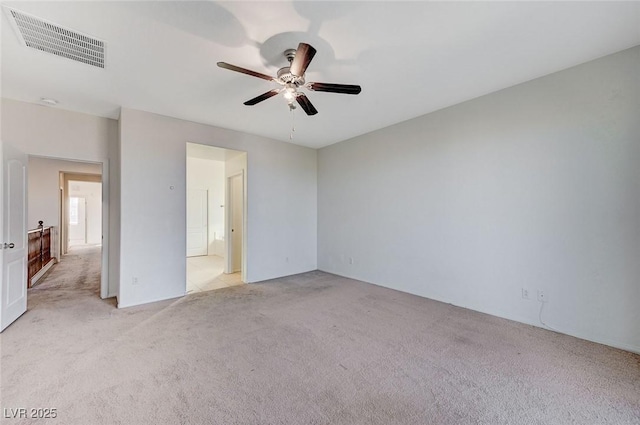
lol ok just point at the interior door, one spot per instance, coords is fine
(236, 200)
(13, 294)
(197, 222)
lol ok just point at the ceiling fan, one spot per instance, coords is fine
(291, 78)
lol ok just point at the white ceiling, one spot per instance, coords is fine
(410, 58)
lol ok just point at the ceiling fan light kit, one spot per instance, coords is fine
(291, 78)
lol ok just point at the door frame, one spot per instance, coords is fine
(2, 223)
(230, 154)
(66, 177)
(103, 179)
(227, 224)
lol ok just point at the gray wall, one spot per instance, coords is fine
(44, 187)
(55, 133)
(282, 204)
(536, 186)
(142, 155)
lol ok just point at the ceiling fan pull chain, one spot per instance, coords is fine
(293, 124)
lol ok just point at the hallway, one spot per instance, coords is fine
(76, 276)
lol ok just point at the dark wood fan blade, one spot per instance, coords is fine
(244, 71)
(303, 57)
(305, 103)
(335, 88)
(263, 96)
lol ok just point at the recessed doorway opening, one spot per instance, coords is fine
(216, 217)
(84, 221)
(65, 226)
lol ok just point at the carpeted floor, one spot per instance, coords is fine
(308, 349)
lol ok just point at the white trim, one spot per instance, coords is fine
(104, 180)
(42, 271)
(104, 273)
(227, 216)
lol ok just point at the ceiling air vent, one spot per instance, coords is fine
(51, 38)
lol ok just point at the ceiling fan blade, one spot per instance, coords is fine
(301, 61)
(244, 71)
(305, 103)
(263, 96)
(335, 88)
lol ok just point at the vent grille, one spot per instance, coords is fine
(54, 39)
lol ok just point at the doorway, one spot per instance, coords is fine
(81, 210)
(45, 193)
(85, 213)
(214, 231)
(67, 197)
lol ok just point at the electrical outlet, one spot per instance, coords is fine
(134, 280)
(542, 297)
(286, 259)
(350, 260)
(525, 294)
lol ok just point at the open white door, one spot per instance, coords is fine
(235, 225)
(197, 222)
(13, 294)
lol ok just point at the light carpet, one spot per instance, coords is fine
(307, 349)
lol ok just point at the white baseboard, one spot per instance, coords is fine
(615, 344)
(42, 271)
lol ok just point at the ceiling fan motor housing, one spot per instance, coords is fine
(285, 76)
